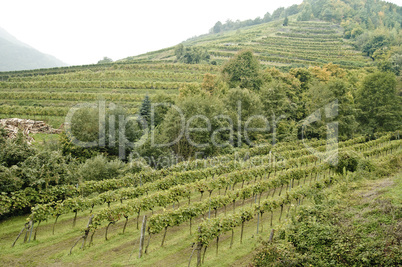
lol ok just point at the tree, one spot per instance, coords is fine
(267, 17)
(277, 14)
(105, 60)
(243, 71)
(217, 28)
(101, 133)
(250, 105)
(191, 55)
(294, 9)
(200, 130)
(209, 83)
(179, 51)
(375, 43)
(380, 103)
(145, 110)
(306, 14)
(286, 22)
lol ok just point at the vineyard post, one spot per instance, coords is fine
(25, 227)
(144, 222)
(36, 230)
(231, 240)
(217, 244)
(31, 228)
(209, 209)
(75, 217)
(164, 236)
(262, 223)
(271, 236)
(241, 233)
(287, 214)
(54, 225)
(272, 216)
(199, 249)
(258, 215)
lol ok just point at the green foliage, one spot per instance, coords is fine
(243, 71)
(197, 141)
(375, 43)
(48, 168)
(119, 130)
(286, 22)
(14, 151)
(105, 60)
(347, 161)
(217, 27)
(306, 14)
(100, 168)
(332, 233)
(250, 105)
(78, 152)
(9, 180)
(393, 64)
(191, 55)
(380, 103)
(145, 110)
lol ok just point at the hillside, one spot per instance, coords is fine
(310, 43)
(267, 141)
(15, 55)
(48, 94)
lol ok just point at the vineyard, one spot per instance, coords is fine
(272, 141)
(188, 214)
(309, 43)
(48, 94)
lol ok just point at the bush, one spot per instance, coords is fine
(48, 168)
(100, 168)
(9, 181)
(348, 161)
(14, 151)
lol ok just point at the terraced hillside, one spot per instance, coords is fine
(48, 94)
(303, 43)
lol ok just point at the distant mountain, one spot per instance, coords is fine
(16, 55)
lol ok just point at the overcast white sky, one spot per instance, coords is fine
(84, 31)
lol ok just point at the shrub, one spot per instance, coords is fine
(347, 160)
(100, 168)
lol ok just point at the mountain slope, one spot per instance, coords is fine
(15, 55)
(300, 43)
